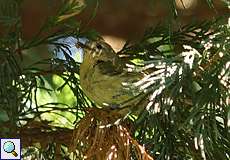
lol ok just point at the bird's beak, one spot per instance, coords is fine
(81, 45)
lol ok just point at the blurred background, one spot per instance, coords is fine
(121, 20)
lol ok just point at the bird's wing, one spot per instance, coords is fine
(109, 67)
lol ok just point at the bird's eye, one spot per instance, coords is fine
(99, 46)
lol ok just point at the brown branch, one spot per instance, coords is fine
(43, 133)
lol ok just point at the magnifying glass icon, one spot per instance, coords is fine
(9, 147)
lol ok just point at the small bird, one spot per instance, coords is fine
(104, 77)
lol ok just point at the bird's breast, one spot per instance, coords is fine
(104, 88)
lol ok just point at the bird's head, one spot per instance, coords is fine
(96, 50)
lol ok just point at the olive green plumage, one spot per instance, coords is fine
(104, 77)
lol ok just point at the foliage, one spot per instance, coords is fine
(188, 114)
(189, 103)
